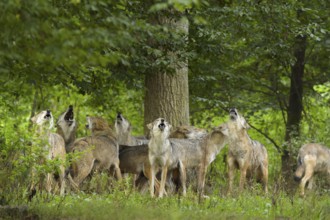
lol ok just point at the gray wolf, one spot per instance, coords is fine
(160, 152)
(245, 154)
(196, 153)
(66, 127)
(55, 147)
(99, 152)
(123, 131)
(312, 158)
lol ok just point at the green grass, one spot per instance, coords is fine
(120, 201)
(128, 204)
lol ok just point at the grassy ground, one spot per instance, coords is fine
(128, 204)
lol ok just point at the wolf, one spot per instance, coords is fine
(186, 132)
(312, 158)
(196, 153)
(123, 130)
(245, 154)
(66, 127)
(55, 147)
(159, 152)
(125, 139)
(99, 152)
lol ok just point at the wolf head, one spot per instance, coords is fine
(237, 118)
(69, 116)
(66, 125)
(66, 119)
(159, 127)
(43, 118)
(233, 114)
(122, 126)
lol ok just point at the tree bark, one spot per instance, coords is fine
(295, 108)
(167, 94)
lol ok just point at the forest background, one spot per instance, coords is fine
(187, 60)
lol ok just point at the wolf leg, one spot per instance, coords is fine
(183, 177)
(163, 181)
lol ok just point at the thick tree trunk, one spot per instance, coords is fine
(295, 109)
(167, 94)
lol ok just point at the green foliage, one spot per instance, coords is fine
(323, 90)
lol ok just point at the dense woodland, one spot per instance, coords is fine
(186, 60)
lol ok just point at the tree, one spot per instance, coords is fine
(167, 93)
(295, 108)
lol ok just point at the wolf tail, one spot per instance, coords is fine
(300, 170)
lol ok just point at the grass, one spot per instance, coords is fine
(99, 200)
(129, 204)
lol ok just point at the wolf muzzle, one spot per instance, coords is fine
(162, 125)
(119, 117)
(233, 113)
(48, 114)
(69, 116)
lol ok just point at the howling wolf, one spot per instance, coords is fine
(248, 155)
(66, 127)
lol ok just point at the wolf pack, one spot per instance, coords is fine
(163, 158)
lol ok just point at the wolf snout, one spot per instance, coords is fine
(69, 115)
(119, 117)
(161, 125)
(48, 114)
(233, 111)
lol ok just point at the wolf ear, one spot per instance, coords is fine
(149, 126)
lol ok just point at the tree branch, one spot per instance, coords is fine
(269, 138)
